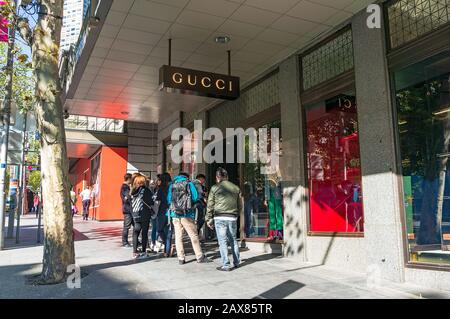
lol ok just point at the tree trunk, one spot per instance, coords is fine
(430, 232)
(442, 179)
(427, 231)
(58, 226)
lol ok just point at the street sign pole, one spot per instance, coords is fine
(12, 199)
(39, 217)
(6, 119)
(22, 175)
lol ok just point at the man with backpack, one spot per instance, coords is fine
(182, 196)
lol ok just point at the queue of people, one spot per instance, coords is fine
(173, 207)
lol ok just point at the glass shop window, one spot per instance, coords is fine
(262, 192)
(333, 164)
(423, 111)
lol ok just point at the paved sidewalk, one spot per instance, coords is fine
(109, 272)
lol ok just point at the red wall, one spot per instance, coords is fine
(113, 165)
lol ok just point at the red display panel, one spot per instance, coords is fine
(334, 174)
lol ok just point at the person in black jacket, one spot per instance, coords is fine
(162, 222)
(141, 209)
(30, 197)
(200, 205)
(126, 209)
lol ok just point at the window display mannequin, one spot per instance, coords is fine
(275, 207)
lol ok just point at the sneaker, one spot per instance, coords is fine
(223, 269)
(126, 245)
(203, 260)
(181, 261)
(136, 255)
(151, 247)
(143, 256)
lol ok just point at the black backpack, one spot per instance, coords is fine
(137, 205)
(181, 201)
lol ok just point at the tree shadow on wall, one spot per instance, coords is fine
(295, 229)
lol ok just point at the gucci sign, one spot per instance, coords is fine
(194, 82)
(341, 103)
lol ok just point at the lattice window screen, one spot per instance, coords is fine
(329, 60)
(257, 99)
(410, 19)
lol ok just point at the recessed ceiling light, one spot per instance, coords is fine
(222, 39)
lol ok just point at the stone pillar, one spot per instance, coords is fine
(203, 116)
(165, 128)
(292, 164)
(383, 230)
(142, 148)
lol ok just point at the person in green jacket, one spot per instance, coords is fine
(224, 206)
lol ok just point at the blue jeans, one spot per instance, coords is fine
(168, 242)
(226, 235)
(248, 220)
(162, 227)
(154, 231)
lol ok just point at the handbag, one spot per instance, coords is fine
(152, 212)
(155, 209)
(155, 206)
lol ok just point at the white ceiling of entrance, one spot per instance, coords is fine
(122, 73)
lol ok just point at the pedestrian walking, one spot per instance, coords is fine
(125, 197)
(224, 206)
(73, 201)
(86, 195)
(181, 197)
(141, 210)
(36, 201)
(30, 198)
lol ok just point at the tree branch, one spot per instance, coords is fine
(23, 26)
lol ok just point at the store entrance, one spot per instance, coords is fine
(232, 168)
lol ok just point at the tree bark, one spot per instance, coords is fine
(58, 226)
(442, 179)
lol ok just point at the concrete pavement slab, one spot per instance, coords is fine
(110, 273)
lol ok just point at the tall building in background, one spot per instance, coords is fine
(74, 12)
(86, 7)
